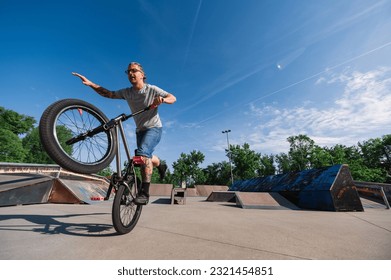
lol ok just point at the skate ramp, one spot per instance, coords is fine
(49, 186)
(206, 190)
(262, 200)
(252, 200)
(160, 190)
(330, 188)
(191, 192)
(222, 196)
(18, 189)
(198, 190)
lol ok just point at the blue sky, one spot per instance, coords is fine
(266, 70)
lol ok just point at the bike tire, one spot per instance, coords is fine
(125, 213)
(67, 118)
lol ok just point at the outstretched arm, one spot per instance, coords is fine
(100, 90)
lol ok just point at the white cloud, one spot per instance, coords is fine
(360, 113)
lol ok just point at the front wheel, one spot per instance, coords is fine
(125, 212)
(69, 118)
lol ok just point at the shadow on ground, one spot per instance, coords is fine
(55, 224)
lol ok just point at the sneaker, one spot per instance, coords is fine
(162, 168)
(141, 199)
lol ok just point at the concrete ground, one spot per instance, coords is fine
(199, 230)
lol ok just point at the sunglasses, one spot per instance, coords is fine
(132, 71)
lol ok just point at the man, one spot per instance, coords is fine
(148, 124)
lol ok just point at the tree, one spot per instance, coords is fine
(107, 172)
(247, 163)
(372, 152)
(320, 157)
(187, 170)
(337, 153)
(385, 160)
(377, 152)
(283, 163)
(267, 166)
(218, 173)
(34, 150)
(15, 122)
(301, 148)
(11, 148)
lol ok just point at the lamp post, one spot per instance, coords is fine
(229, 154)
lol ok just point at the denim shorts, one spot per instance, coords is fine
(147, 140)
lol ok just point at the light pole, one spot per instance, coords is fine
(229, 154)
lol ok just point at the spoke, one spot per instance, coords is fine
(92, 149)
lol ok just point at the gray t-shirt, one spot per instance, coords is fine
(138, 100)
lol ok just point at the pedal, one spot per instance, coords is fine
(138, 160)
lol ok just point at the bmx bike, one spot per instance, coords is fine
(80, 138)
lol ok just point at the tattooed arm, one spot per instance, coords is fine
(100, 90)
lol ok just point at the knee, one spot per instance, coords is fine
(155, 161)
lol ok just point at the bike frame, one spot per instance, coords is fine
(116, 124)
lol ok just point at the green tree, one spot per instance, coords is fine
(361, 172)
(218, 174)
(35, 153)
(283, 163)
(377, 152)
(385, 160)
(301, 148)
(187, 170)
(320, 157)
(107, 172)
(338, 154)
(267, 166)
(247, 163)
(372, 152)
(63, 134)
(15, 122)
(11, 148)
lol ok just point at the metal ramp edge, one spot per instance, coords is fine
(19, 190)
(25, 188)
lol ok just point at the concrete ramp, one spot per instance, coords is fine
(206, 190)
(191, 192)
(263, 200)
(16, 189)
(198, 190)
(64, 187)
(222, 196)
(160, 190)
(252, 200)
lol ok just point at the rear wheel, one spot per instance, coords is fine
(125, 212)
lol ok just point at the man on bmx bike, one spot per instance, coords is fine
(148, 124)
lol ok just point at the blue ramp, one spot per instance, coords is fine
(329, 188)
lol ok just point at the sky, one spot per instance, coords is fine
(264, 69)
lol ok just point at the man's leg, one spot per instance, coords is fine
(161, 167)
(146, 175)
(146, 143)
(155, 161)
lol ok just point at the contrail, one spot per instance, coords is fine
(192, 32)
(296, 83)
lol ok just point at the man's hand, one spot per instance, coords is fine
(101, 90)
(156, 102)
(83, 79)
